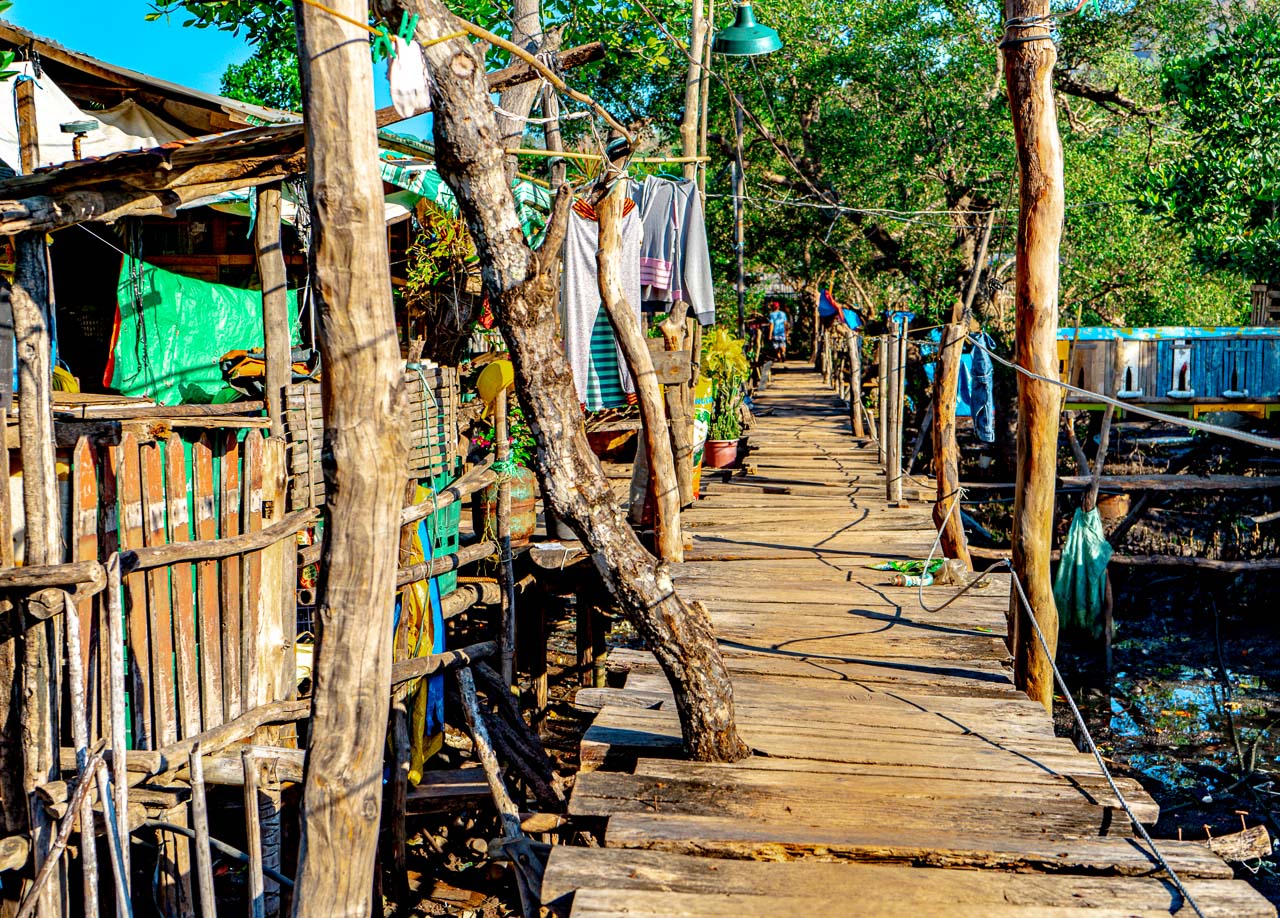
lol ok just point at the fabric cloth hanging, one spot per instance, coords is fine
(982, 392)
(675, 263)
(599, 369)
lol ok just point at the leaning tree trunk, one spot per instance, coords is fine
(1029, 60)
(521, 287)
(363, 410)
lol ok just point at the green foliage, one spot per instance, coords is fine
(268, 78)
(1224, 188)
(724, 362)
(441, 250)
(524, 448)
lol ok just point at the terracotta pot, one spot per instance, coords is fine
(720, 454)
(524, 511)
(1113, 507)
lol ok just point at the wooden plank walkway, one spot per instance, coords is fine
(892, 750)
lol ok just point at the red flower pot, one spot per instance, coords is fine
(720, 454)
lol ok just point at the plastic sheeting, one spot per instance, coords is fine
(1079, 588)
(127, 126)
(171, 330)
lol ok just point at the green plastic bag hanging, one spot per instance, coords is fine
(1080, 585)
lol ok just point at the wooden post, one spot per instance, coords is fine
(28, 136)
(675, 334)
(893, 420)
(882, 386)
(33, 330)
(506, 572)
(275, 304)
(253, 835)
(364, 407)
(692, 88)
(662, 472)
(946, 454)
(200, 822)
(855, 384)
(1029, 62)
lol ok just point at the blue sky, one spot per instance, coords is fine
(115, 31)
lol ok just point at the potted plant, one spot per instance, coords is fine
(524, 483)
(724, 361)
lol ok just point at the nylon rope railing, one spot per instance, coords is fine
(1062, 686)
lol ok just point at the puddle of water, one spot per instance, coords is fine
(1173, 726)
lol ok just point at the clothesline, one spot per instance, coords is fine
(596, 157)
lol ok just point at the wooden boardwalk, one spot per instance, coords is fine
(897, 770)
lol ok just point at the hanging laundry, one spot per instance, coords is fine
(599, 369)
(675, 263)
(982, 392)
(409, 78)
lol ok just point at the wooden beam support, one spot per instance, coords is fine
(275, 304)
(364, 408)
(1029, 56)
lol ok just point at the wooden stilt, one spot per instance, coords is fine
(33, 322)
(882, 383)
(1029, 64)
(200, 822)
(364, 406)
(506, 571)
(253, 836)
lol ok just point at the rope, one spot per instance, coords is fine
(1066, 692)
(1244, 437)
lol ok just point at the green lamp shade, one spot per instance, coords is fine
(746, 37)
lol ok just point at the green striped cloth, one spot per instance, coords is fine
(604, 382)
(422, 178)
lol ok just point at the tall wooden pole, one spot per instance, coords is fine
(506, 575)
(739, 230)
(946, 454)
(33, 332)
(364, 410)
(692, 88)
(275, 303)
(893, 422)
(882, 391)
(1029, 58)
(855, 384)
(704, 94)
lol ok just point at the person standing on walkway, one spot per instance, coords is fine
(779, 325)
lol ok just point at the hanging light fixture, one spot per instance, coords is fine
(746, 37)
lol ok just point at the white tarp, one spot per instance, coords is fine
(127, 126)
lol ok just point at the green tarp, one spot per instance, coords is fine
(1081, 582)
(172, 330)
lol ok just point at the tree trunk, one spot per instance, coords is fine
(526, 31)
(1029, 78)
(662, 468)
(364, 410)
(521, 288)
(946, 455)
